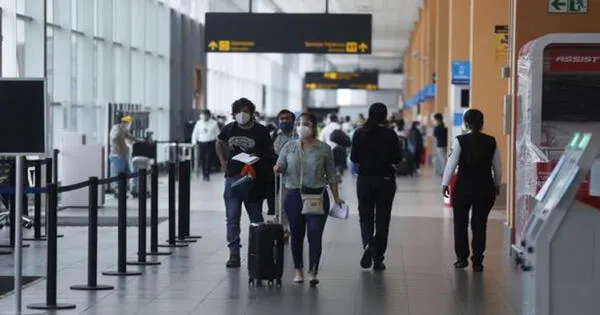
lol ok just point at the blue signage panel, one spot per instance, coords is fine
(458, 119)
(429, 91)
(461, 72)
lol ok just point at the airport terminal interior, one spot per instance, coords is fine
(422, 157)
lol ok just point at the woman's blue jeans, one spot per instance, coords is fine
(301, 225)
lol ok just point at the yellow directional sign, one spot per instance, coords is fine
(330, 75)
(351, 47)
(224, 45)
(363, 47)
(213, 45)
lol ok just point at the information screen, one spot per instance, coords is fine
(22, 116)
(571, 83)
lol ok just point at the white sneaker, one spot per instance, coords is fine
(299, 277)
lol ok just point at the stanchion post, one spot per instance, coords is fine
(92, 271)
(52, 177)
(154, 214)
(143, 194)
(122, 231)
(186, 188)
(52, 250)
(184, 203)
(172, 242)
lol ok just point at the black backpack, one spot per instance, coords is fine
(340, 138)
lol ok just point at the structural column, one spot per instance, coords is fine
(488, 48)
(442, 70)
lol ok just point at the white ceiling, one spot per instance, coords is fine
(392, 24)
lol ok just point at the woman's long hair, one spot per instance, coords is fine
(473, 119)
(377, 115)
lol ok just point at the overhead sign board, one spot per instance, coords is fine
(341, 80)
(461, 72)
(23, 116)
(568, 6)
(288, 33)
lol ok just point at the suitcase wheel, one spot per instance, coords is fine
(270, 283)
(259, 283)
(251, 281)
(278, 283)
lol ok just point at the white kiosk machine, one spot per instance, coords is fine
(560, 260)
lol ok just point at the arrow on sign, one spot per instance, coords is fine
(213, 45)
(363, 47)
(558, 4)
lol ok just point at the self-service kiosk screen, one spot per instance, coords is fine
(571, 83)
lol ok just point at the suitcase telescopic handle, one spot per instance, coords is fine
(279, 196)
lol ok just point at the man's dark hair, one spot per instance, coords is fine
(333, 118)
(205, 112)
(242, 103)
(348, 119)
(286, 112)
(438, 117)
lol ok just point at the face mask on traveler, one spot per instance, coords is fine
(286, 126)
(305, 132)
(242, 118)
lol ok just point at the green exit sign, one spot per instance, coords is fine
(568, 6)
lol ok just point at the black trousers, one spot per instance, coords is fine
(375, 199)
(480, 199)
(206, 153)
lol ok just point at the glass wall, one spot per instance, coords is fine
(98, 52)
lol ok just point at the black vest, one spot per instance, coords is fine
(476, 159)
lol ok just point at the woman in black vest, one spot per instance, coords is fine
(477, 184)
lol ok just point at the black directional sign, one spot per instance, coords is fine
(288, 33)
(341, 80)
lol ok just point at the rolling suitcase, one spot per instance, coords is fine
(265, 247)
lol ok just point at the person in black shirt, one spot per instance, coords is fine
(415, 144)
(243, 135)
(375, 148)
(440, 132)
(477, 185)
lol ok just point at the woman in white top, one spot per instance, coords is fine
(477, 183)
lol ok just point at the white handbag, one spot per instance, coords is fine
(313, 203)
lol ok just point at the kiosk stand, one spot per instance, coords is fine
(559, 260)
(557, 79)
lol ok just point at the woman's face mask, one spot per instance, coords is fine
(305, 129)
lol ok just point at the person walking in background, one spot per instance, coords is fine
(477, 184)
(119, 149)
(325, 135)
(440, 133)
(376, 149)
(244, 135)
(307, 167)
(415, 144)
(347, 126)
(204, 136)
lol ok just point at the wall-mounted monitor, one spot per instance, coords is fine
(23, 126)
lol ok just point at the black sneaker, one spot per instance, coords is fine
(379, 266)
(461, 264)
(367, 258)
(234, 261)
(478, 267)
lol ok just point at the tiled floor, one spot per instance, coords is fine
(420, 279)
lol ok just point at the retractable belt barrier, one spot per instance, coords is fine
(176, 238)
